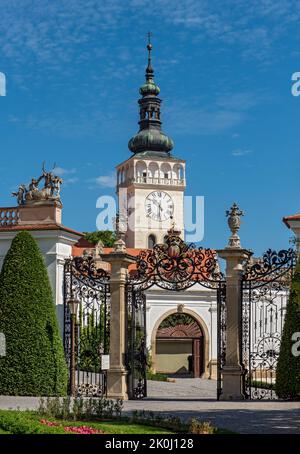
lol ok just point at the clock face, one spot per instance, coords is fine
(159, 206)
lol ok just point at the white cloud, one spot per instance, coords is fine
(239, 101)
(2, 84)
(106, 181)
(70, 181)
(50, 32)
(60, 171)
(191, 120)
(240, 152)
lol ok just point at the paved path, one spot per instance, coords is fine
(189, 398)
(196, 398)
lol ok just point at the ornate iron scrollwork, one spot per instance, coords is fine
(265, 290)
(136, 357)
(90, 285)
(86, 266)
(271, 266)
(221, 334)
(176, 265)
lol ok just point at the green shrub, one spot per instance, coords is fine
(155, 419)
(288, 368)
(80, 408)
(199, 427)
(56, 407)
(34, 363)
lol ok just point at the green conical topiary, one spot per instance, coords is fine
(288, 368)
(34, 363)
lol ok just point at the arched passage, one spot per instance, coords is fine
(182, 348)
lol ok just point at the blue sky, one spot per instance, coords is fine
(73, 69)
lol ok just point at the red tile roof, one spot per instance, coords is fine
(29, 227)
(83, 244)
(80, 246)
(295, 217)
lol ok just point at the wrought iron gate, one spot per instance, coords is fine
(265, 290)
(136, 342)
(90, 286)
(221, 334)
(173, 266)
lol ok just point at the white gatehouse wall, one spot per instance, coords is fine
(200, 303)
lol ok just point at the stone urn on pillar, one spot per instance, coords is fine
(235, 257)
(234, 223)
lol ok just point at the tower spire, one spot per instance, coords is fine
(149, 69)
(150, 140)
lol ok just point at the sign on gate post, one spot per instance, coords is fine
(105, 362)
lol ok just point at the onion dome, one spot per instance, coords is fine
(150, 140)
(149, 88)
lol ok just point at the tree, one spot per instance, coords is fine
(34, 363)
(177, 319)
(288, 367)
(106, 236)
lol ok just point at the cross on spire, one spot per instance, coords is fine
(149, 34)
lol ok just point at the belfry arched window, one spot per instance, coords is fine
(151, 241)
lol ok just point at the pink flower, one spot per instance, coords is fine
(83, 430)
(48, 423)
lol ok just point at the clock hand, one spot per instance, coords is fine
(160, 210)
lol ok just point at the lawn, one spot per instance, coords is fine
(26, 422)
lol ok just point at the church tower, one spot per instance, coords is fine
(151, 183)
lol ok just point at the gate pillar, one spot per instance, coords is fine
(117, 374)
(235, 257)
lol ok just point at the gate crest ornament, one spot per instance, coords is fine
(176, 265)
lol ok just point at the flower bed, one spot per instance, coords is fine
(82, 430)
(26, 422)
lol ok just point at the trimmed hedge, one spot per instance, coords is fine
(288, 368)
(34, 363)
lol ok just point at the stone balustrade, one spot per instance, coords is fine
(157, 181)
(9, 216)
